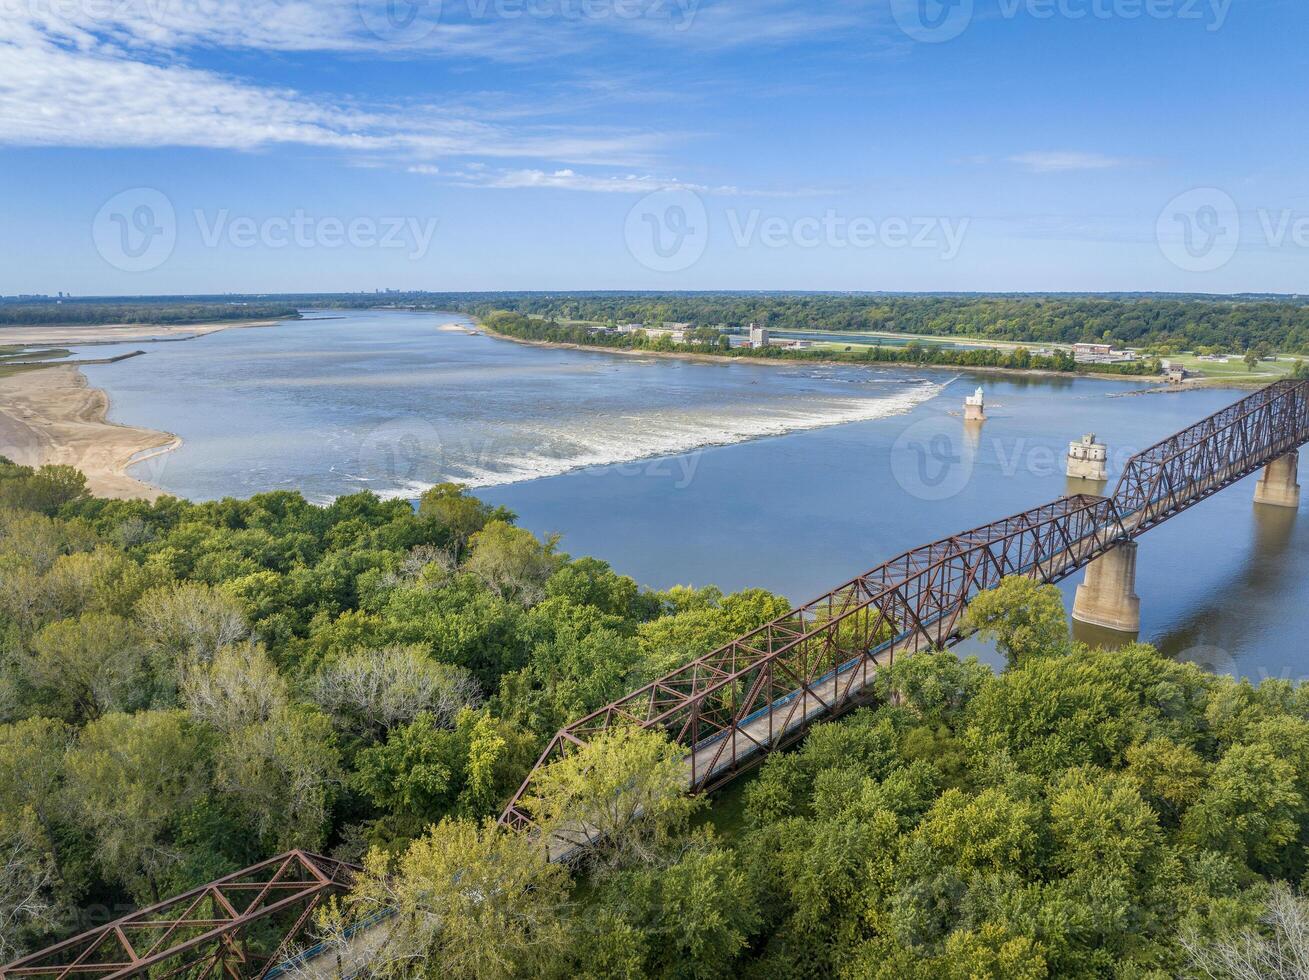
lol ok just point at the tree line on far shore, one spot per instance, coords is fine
(1158, 324)
(706, 340)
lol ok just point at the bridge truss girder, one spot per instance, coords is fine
(199, 934)
(733, 706)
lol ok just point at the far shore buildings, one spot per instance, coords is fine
(676, 332)
(758, 335)
(1102, 354)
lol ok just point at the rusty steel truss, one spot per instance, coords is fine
(203, 933)
(759, 693)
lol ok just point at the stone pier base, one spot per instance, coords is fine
(1107, 597)
(1279, 486)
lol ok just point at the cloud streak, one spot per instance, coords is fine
(81, 91)
(1063, 161)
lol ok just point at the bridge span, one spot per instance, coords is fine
(733, 706)
(759, 693)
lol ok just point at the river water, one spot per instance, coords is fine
(793, 478)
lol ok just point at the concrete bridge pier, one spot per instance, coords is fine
(1107, 596)
(1279, 485)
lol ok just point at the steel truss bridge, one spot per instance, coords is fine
(732, 707)
(204, 933)
(761, 692)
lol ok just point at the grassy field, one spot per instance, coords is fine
(1236, 369)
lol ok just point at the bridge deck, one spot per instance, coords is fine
(760, 692)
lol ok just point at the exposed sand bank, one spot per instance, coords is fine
(52, 415)
(119, 333)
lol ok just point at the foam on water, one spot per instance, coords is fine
(644, 437)
(396, 402)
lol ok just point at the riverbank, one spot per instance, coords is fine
(53, 416)
(954, 369)
(121, 333)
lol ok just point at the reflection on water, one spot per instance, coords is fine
(1261, 583)
(393, 403)
(677, 485)
(1101, 637)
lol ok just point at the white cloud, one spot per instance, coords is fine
(1059, 161)
(82, 91)
(121, 73)
(570, 180)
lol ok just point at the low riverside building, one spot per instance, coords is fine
(1102, 354)
(758, 335)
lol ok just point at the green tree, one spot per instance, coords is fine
(81, 668)
(697, 914)
(468, 901)
(1022, 616)
(282, 773)
(459, 514)
(511, 562)
(621, 798)
(190, 622)
(130, 781)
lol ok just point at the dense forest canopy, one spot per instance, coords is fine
(186, 688)
(164, 310)
(1137, 322)
(1231, 324)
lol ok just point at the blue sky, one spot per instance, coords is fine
(164, 146)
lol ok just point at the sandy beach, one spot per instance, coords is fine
(119, 333)
(53, 416)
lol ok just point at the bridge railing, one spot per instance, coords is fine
(733, 705)
(1189, 466)
(758, 693)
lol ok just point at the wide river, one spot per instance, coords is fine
(791, 477)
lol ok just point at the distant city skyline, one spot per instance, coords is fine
(289, 146)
